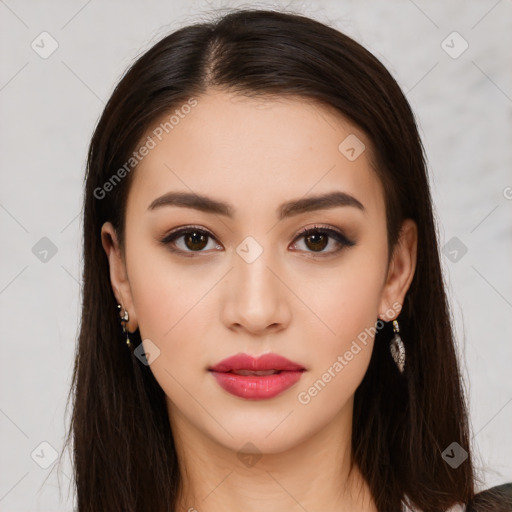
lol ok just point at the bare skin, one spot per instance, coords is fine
(299, 299)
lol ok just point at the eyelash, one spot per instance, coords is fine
(338, 236)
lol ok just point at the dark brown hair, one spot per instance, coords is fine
(123, 451)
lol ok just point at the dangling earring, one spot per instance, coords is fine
(124, 318)
(397, 348)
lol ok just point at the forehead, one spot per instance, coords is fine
(250, 151)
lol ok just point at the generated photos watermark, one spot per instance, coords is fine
(158, 133)
(304, 397)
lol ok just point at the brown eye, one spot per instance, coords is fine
(195, 240)
(316, 239)
(188, 240)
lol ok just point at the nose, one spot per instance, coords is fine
(255, 299)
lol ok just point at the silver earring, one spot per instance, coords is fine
(124, 318)
(397, 348)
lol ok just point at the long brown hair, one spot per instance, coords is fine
(123, 452)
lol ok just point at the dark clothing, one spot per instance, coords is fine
(495, 499)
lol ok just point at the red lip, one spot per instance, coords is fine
(256, 387)
(264, 362)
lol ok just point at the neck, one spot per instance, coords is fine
(315, 475)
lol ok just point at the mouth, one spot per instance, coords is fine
(258, 372)
(265, 362)
(256, 378)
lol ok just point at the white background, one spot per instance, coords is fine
(49, 108)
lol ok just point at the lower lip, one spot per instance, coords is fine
(253, 387)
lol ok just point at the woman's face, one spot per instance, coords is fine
(242, 279)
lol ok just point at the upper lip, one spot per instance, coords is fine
(248, 362)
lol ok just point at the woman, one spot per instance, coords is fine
(258, 228)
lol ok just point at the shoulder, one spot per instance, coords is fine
(495, 499)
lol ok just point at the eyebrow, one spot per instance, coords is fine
(288, 209)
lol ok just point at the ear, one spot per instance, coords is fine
(400, 272)
(118, 274)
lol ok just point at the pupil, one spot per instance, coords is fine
(315, 238)
(198, 240)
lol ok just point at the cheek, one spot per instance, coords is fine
(339, 362)
(166, 295)
(175, 313)
(346, 299)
